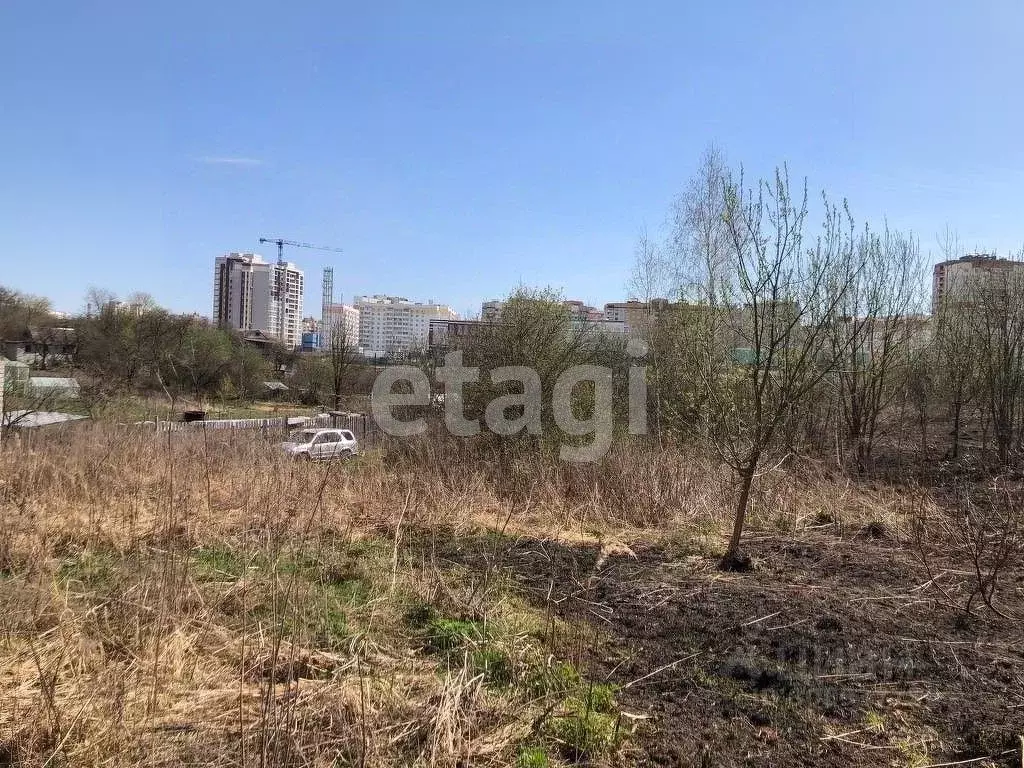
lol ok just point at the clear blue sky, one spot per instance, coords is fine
(455, 150)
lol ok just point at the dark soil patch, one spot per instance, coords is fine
(828, 653)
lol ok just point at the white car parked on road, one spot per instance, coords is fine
(320, 444)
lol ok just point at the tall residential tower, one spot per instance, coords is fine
(250, 294)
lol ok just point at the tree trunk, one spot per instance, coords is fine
(731, 559)
(954, 450)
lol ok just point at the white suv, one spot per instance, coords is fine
(317, 444)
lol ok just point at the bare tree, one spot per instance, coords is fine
(19, 311)
(98, 299)
(651, 277)
(649, 281)
(342, 356)
(879, 303)
(700, 238)
(996, 301)
(141, 302)
(774, 337)
(956, 357)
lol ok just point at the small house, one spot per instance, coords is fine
(42, 346)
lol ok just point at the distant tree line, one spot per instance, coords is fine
(136, 346)
(770, 339)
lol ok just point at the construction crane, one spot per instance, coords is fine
(280, 242)
(280, 290)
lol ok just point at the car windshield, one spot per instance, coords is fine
(302, 435)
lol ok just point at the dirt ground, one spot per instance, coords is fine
(832, 651)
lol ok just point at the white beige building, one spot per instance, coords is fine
(250, 294)
(344, 317)
(393, 324)
(952, 277)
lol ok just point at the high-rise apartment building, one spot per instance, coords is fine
(953, 277)
(395, 324)
(345, 318)
(250, 294)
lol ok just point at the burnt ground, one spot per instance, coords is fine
(830, 652)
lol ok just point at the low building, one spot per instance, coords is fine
(22, 419)
(600, 327)
(59, 388)
(275, 389)
(450, 334)
(42, 346)
(310, 341)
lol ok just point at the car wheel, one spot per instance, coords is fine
(305, 457)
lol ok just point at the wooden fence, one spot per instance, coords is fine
(277, 422)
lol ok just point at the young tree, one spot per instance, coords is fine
(773, 338)
(956, 358)
(202, 361)
(536, 331)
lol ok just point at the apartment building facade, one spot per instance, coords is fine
(490, 311)
(343, 318)
(393, 324)
(250, 294)
(951, 279)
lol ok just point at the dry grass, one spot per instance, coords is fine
(198, 600)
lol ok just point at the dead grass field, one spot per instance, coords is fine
(195, 599)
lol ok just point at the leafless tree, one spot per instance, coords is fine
(141, 301)
(651, 275)
(650, 281)
(996, 302)
(700, 243)
(955, 353)
(773, 339)
(97, 299)
(880, 323)
(19, 311)
(342, 356)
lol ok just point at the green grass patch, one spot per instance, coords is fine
(589, 726)
(327, 625)
(532, 757)
(92, 570)
(495, 665)
(554, 677)
(217, 563)
(444, 634)
(467, 640)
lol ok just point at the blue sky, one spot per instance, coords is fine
(455, 150)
